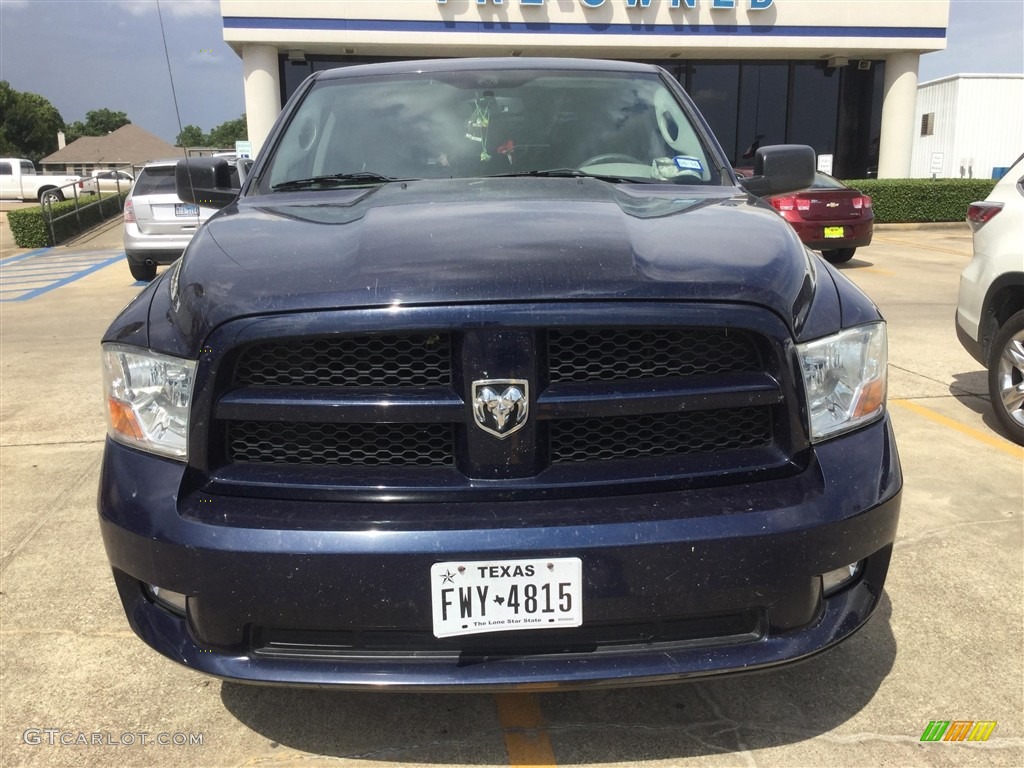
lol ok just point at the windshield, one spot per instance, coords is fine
(620, 126)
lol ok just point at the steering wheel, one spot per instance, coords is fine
(611, 157)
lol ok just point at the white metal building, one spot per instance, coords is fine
(840, 75)
(968, 125)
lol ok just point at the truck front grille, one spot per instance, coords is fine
(407, 360)
(392, 413)
(668, 434)
(356, 445)
(621, 354)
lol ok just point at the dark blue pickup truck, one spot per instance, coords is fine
(494, 375)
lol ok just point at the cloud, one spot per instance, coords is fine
(177, 8)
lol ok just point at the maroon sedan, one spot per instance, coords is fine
(829, 217)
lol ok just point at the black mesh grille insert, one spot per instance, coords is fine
(366, 445)
(616, 354)
(666, 434)
(408, 360)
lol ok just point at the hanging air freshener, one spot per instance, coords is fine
(476, 128)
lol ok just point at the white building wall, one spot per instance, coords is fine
(979, 125)
(990, 129)
(938, 98)
(649, 29)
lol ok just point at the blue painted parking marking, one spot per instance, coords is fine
(32, 274)
(21, 256)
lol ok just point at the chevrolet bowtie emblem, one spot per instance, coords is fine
(501, 405)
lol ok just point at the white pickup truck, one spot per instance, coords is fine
(106, 181)
(19, 181)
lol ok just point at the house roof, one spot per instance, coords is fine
(128, 144)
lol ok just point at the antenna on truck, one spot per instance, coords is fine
(174, 95)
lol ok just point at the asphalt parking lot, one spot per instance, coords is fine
(78, 689)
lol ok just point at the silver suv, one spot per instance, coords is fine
(157, 224)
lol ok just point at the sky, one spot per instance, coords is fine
(93, 54)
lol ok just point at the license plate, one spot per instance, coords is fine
(188, 209)
(834, 232)
(469, 598)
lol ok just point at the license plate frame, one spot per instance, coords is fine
(186, 209)
(833, 233)
(478, 596)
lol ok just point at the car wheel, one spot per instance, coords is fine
(839, 256)
(50, 196)
(142, 270)
(1006, 376)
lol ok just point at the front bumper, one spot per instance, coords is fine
(746, 557)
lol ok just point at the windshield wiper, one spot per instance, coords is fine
(569, 173)
(336, 180)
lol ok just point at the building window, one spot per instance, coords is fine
(928, 124)
(763, 96)
(714, 87)
(814, 107)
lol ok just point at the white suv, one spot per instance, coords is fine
(990, 309)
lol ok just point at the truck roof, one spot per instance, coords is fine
(500, 64)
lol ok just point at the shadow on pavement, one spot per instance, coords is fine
(854, 263)
(962, 387)
(973, 383)
(722, 715)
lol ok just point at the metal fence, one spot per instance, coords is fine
(109, 203)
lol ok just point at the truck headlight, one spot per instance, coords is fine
(845, 379)
(148, 399)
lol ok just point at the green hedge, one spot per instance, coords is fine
(895, 200)
(31, 228)
(922, 200)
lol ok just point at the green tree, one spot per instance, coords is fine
(7, 97)
(28, 124)
(226, 134)
(98, 122)
(191, 136)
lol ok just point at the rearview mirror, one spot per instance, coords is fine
(205, 181)
(781, 168)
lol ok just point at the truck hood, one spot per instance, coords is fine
(482, 241)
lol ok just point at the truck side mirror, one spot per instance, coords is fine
(781, 168)
(204, 181)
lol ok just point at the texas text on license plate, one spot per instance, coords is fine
(186, 209)
(499, 595)
(834, 232)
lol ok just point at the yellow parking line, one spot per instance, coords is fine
(965, 254)
(938, 418)
(875, 271)
(526, 741)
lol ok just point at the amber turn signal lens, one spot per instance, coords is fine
(872, 398)
(123, 420)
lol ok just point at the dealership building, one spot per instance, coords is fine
(840, 75)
